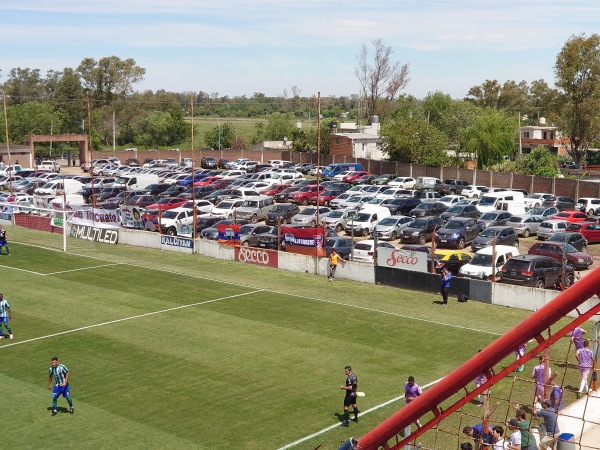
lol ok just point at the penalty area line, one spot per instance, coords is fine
(23, 270)
(124, 319)
(82, 268)
(362, 413)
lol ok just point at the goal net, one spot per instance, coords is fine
(440, 417)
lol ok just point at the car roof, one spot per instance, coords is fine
(500, 248)
(445, 252)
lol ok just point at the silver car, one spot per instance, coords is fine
(525, 224)
(389, 228)
(549, 227)
(308, 216)
(337, 219)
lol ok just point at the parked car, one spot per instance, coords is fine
(271, 239)
(167, 203)
(402, 205)
(559, 251)
(451, 187)
(561, 202)
(546, 213)
(571, 216)
(365, 250)
(383, 179)
(306, 194)
(452, 260)
(488, 261)
(249, 234)
(457, 232)
(535, 271)
(590, 204)
(473, 191)
(226, 208)
(428, 209)
(390, 227)
(494, 218)
(222, 163)
(337, 218)
(502, 235)
(461, 211)
(577, 240)
(342, 245)
(525, 224)
(548, 227)
(403, 182)
(281, 213)
(309, 216)
(426, 183)
(204, 221)
(536, 199)
(589, 230)
(421, 230)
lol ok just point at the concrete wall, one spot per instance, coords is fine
(215, 250)
(139, 238)
(570, 418)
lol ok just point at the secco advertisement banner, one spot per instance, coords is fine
(229, 234)
(402, 259)
(258, 256)
(304, 241)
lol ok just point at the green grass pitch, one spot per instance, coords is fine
(181, 351)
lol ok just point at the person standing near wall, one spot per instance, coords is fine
(445, 285)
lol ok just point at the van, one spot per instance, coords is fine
(426, 183)
(334, 169)
(71, 200)
(481, 266)
(364, 222)
(59, 186)
(511, 201)
(255, 208)
(136, 182)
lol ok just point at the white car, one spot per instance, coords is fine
(536, 199)
(473, 191)
(340, 176)
(171, 218)
(174, 180)
(451, 199)
(403, 182)
(202, 206)
(226, 208)
(316, 169)
(363, 250)
(591, 204)
(232, 174)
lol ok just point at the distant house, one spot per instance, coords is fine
(353, 141)
(533, 136)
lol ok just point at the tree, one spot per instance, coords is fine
(109, 76)
(540, 162)
(577, 71)
(380, 80)
(23, 85)
(30, 118)
(220, 136)
(279, 126)
(491, 137)
(69, 97)
(411, 139)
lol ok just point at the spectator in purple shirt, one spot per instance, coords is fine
(519, 353)
(585, 357)
(411, 391)
(577, 337)
(555, 393)
(538, 375)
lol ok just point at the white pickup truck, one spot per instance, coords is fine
(48, 166)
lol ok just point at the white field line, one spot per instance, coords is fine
(24, 270)
(75, 330)
(82, 268)
(362, 413)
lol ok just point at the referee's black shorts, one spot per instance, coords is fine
(349, 400)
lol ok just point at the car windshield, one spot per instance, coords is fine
(454, 225)
(246, 229)
(487, 201)
(482, 260)
(308, 212)
(561, 237)
(250, 204)
(418, 223)
(335, 214)
(225, 205)
(387, 221)
(363, 246)
(279, 209)
(389, 191)
(489, 216)
(170, 214)
(488, 233)
(516, 219)
(424, 206)
(455, 209)
(362, 217)
(376, 201)
(570, 249)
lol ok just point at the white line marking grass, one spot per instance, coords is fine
(82, 268)
(139, 316)
(362, 413)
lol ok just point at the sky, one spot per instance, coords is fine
(234, 48)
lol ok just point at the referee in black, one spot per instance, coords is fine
(350, 398)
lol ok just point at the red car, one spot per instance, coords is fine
(208, 180)
(274, 189)
(354, 175)
(590, 230)
(306, 194)
(571, 216)
(325, 197)
(220, 183)
(167, 203)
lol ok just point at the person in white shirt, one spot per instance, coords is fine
(498, 439)
(514, 441)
